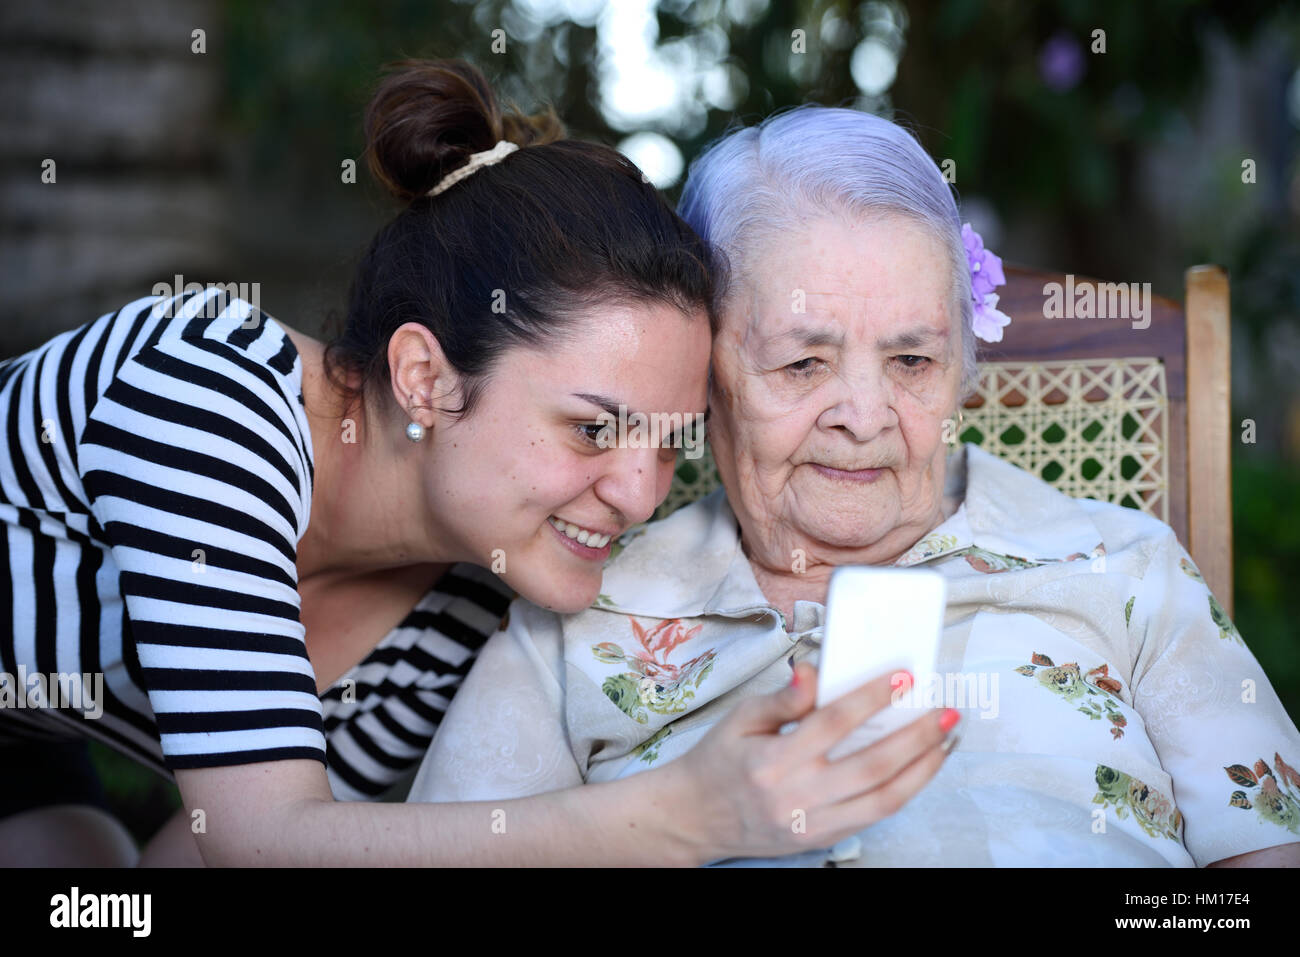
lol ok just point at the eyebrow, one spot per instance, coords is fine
(912, 339)
(610, 406)
(908, 339)
(811, 338)
(606, 403)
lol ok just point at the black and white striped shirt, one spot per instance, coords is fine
(155, 479)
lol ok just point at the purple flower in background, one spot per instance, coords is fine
(985, 276)
(1060, 62)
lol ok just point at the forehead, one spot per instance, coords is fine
(650, 356)
(887, 276)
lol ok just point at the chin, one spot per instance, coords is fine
(570, 601)
(844, 527)
(850, 519)
(842, 535)
(565, 595)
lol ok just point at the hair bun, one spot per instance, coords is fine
(427, 116)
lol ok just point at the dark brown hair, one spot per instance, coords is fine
(507, 255)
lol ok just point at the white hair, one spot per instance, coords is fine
(756, 182)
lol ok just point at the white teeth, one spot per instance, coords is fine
(584, 536)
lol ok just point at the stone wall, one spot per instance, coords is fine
(113, 94)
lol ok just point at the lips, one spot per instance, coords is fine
(849, 475)
(592, 538)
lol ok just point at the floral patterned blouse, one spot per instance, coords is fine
(1111, 713)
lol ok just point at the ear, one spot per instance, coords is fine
(421, 378)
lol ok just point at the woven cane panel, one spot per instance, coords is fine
(1092, 428)
(695, 478)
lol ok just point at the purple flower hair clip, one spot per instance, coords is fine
(985, 276)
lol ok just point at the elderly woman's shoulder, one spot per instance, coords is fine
(1124, 527)
(1004, 491)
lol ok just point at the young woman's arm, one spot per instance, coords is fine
(730, 796)
(281, 813)
(1283, 855)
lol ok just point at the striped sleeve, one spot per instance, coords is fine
(193, 470)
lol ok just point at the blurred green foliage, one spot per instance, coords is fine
(1266, 563)
(138, 798)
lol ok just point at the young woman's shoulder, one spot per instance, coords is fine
(199, 395)
(226, 336)
(216, 321)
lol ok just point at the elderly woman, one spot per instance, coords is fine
(1103, 692)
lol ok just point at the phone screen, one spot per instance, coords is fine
(881, 621)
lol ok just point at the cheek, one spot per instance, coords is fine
(504, 473)
(766, 426)
(493, 459)
(921, 423)
(923, 444)
(769, 445)
(931, 395)
(553, 480)
(929, 391)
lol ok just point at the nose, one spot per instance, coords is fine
(635, 482)
(860, 405)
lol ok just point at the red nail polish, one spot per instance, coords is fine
(901, 681)
(794, 680)
(950, 717)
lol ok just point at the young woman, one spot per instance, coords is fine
(273, 551)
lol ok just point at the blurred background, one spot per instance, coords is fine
(210, 139)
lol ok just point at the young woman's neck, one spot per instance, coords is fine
(365, 515)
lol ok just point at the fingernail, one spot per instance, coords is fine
(902, 681)
(794, 680)
(950, 742)
(950, 717)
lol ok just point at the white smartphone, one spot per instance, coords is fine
(881, 621)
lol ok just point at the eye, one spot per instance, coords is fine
(589, 432)
(914, 363)
(804, 367)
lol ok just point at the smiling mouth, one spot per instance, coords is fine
(583, 536)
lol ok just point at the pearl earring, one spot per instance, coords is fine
(414, 430)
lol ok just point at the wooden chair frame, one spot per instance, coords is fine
(1192, 343)
(1209, 428)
